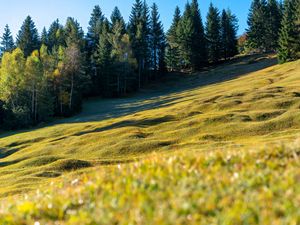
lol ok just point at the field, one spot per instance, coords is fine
(216, 147)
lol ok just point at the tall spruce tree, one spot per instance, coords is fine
(199, 44)
(273, 24)
(213, 34)
(172, 49)
(116, 17)
(229, 27)
(28, 37)
(185, 33)
(157, 40)
(289, 35)
(56, 36)
(44, 37)
(95, 27)
(7, 42)
(256, 20)
(139, 36)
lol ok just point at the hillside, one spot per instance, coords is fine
(207, 147)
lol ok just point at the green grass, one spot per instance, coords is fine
(208, 148)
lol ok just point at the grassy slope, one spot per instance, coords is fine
(239, 110)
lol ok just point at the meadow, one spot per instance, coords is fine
(215, 147)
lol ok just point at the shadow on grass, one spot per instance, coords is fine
(158, 95)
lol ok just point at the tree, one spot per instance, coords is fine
(185, 37)
(12, 87)
(199, 45)
(94, 29)
(157, 40)
(44, 37)
(116, 17)
(274, 16)
(213, 34)
(139, 36)
(55, 36)
(172, 49)
(229, 27)
(289, 34)
(28, 37)
(7, 42)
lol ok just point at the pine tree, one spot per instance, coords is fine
(103, 58)
(56, 36)
(289, 34)
(257, 25)
(94, 29)
(116, 17)
(199, 45)
(273, 24)
(229, 27)
(7, 42)
(213, 34)
(28, 37)
(74, 33)
(185, 32)
(44, 37)
(139, 36)
(172, 50)
(157, 40)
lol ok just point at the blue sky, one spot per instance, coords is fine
(43, 12)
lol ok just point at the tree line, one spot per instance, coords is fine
(273, 26)
(47, 75)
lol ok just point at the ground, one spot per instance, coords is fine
(216, 147)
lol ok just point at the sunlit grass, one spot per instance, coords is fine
(208, 145)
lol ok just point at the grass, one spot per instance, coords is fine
(208, 148)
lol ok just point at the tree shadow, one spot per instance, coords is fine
(161, 94)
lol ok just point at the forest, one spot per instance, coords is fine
(47, 75)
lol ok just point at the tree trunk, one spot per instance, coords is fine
(71, 94)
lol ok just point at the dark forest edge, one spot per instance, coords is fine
(48, 75)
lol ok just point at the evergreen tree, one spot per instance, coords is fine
(213, 34)
(185, 33)
(44, 37)
(74, 33)
(28, 37)
(273, 24)
(157, 40)
(94, 29)
(172, 50)
(229, 27)
(116, 17)
(289, 35)
(139, 36)
(56, 36)
(256, 31)
(7, 42)
(104, 60)
(199, 45)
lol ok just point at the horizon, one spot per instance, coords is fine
(81, 11)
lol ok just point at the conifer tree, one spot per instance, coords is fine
(44, 37)
(229, 27)
(185, 33)
(116, 17)
(289, 34)
(103, 58)
(213, 34)
(28, 37)
(56, 36)
(157, 40)
(94, 29)
(139, 36)
(7, 42)
(172, 49)
(199, 44)
(273, 24)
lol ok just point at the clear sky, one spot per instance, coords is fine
(44, 12)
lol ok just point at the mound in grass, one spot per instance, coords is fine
(218, 187)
